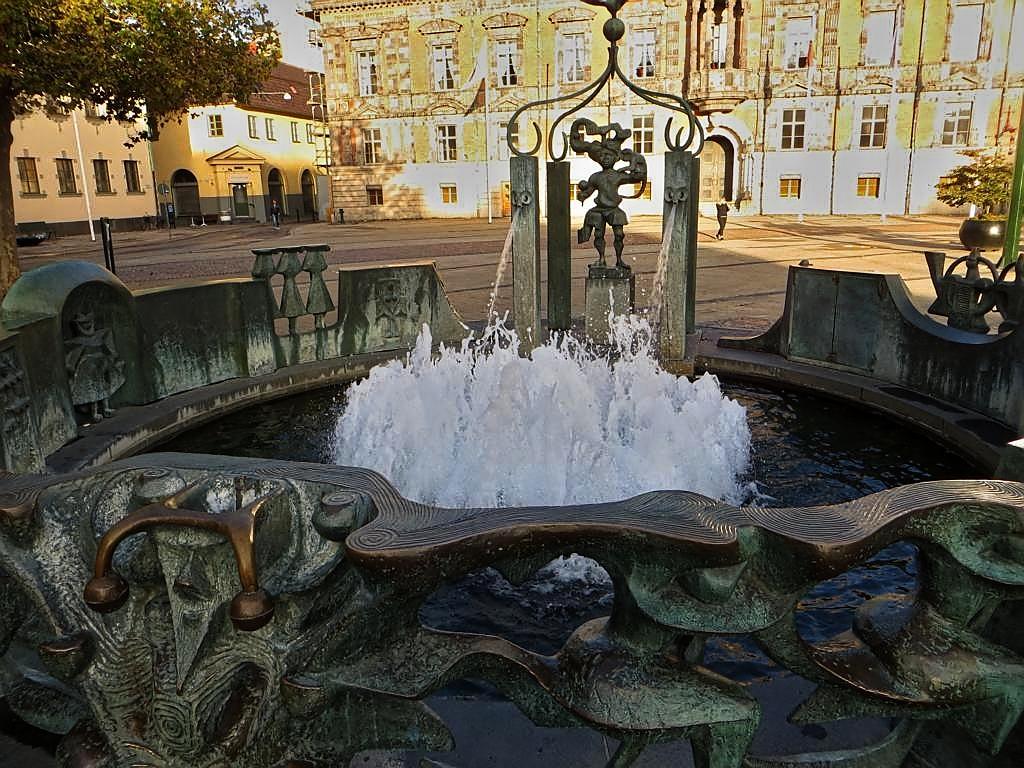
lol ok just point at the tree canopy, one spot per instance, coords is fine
(984, 182)
(148, 59)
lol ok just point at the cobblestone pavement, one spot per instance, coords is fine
(741, 281)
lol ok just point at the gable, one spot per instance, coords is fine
(439, 26)
(446, 107)
(567, 15)
(791, 89)
(236, 154)
(504, 20)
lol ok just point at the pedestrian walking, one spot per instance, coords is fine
(722, 208)
(275, 213)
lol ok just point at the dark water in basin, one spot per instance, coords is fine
(806, 450)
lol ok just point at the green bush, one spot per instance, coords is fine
(984, 182)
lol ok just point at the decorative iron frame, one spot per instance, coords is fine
(614, 30)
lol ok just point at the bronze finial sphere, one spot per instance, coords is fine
(614, 29)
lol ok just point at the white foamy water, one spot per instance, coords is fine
(482, 426)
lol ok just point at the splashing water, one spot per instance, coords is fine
(482, 426)
(661, 271)
(506, 251)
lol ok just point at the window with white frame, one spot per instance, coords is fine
(268, 126)
(965, 31)
(573, 58)
(366, 67)
(309, 133)
(789, 187)
(443, 67)
(372, 146)
(643, 134)
(295, 132)
(793, 125)
(719, 44)
(879, 37)
(215, 125)
(798, 42)
(253, 132)
(508, 62)
(868, 186)
(503, 132)
(956, 124)
(873, 119)
(374, 194)
(644, 52)
(449, 194)
(447, 144)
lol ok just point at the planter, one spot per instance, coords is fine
(983, 234)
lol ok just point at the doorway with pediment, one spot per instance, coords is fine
(238, 175)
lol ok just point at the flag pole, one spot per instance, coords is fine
(85, 180)
(890, 114)
(487, 133)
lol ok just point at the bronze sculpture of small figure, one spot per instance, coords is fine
(607, 152)
(95, 371)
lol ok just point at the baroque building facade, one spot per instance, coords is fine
(810, 106)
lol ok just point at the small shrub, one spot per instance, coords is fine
(984, 182)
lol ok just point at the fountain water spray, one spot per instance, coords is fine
(506, 251)
(661, 270)
(482, 426)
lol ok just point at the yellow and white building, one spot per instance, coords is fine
(227, 162)
(814, 106)
(70, 166)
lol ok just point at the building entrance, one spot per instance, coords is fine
(240, 200)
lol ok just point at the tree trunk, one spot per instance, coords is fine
(9, 269)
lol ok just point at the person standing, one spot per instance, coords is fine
(275, 213)
(722, 209)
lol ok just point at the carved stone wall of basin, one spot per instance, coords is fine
(196, 610)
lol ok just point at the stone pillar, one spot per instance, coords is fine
(607, 289)
(559, 247)
(690, 256)
(526, 250)
(677, 316)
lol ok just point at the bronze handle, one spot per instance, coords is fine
(251, 608)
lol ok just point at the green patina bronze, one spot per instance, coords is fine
(203, 611)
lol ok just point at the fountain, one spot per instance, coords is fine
(181, 609)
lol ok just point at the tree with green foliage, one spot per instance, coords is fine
(984, 182)
(142, 59)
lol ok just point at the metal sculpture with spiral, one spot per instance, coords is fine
(689, 137)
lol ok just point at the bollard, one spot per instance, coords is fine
(108, 244)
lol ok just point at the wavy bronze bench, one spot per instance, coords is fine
(346, 563)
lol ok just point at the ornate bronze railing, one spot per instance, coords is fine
(170, 676)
